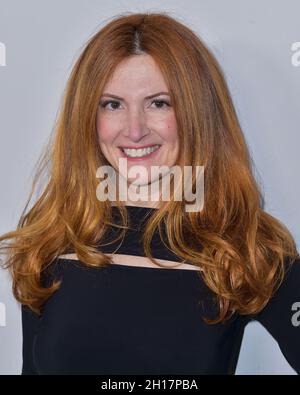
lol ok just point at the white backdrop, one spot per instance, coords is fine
(258, 46)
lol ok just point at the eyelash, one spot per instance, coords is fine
(103, 104)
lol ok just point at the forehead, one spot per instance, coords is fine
(138, 73)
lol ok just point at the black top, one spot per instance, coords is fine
(125, 319)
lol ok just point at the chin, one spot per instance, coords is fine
(139, 182)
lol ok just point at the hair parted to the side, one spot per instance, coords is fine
(240, 248)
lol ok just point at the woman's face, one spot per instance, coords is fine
(128, 118)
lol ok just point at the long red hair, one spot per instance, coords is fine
(241, 249)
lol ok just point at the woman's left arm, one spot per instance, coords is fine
(281, 316)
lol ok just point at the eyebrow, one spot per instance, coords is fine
(147, 97)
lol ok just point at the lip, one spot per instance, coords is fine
(152, 154)
(140, 146)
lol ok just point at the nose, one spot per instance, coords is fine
(136, 128)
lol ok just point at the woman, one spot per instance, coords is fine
(95, 299)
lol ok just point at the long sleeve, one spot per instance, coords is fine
(281, 316)
(30, 322)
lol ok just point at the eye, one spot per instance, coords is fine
(161, 103)
(113, 102)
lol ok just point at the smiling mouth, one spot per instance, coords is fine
(140, 152)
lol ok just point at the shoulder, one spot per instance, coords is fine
(291, 279)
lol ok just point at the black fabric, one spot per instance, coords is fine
(125, 319)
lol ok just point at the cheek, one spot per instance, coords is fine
(105, 130)
(170, 130)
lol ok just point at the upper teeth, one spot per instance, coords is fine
(140, 152)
